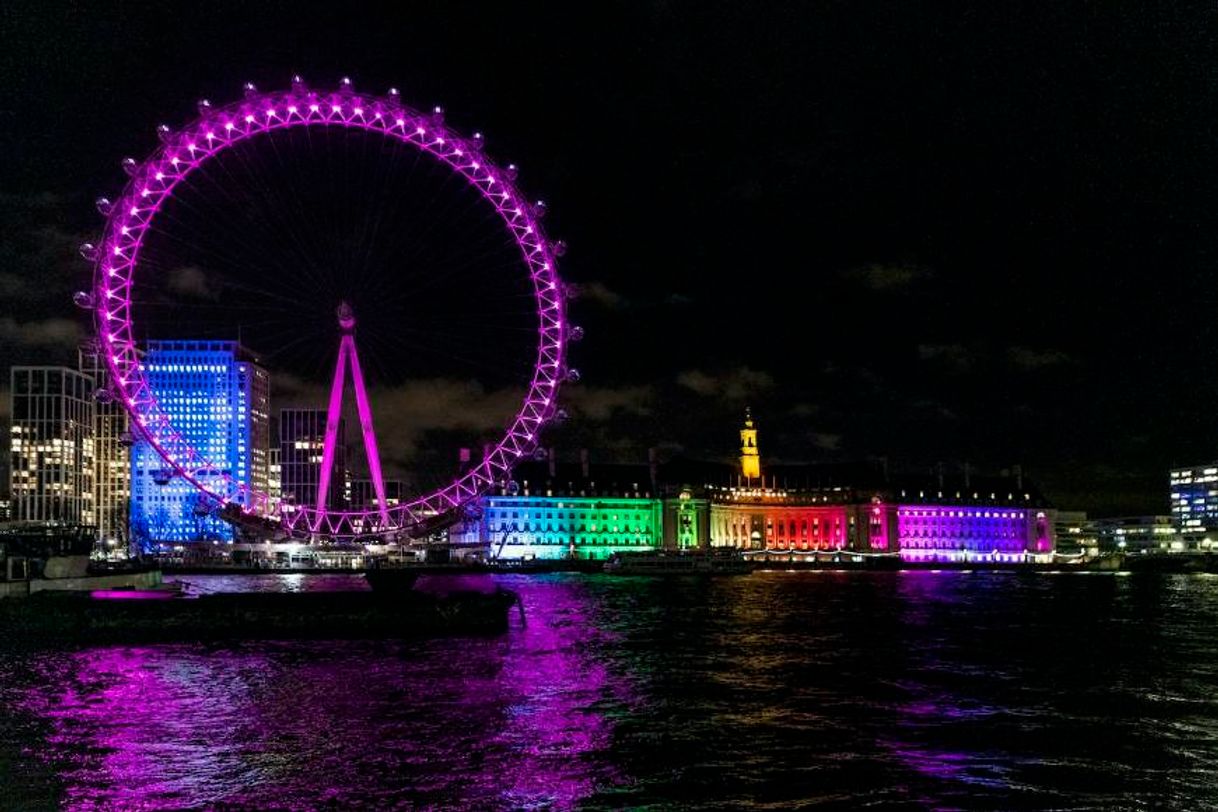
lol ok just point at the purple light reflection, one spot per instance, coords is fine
(554, 726)
(517, 721)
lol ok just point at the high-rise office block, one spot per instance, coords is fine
(111, 457)
(1194, 498)
(52, 448)
(217, 396)
(302, 436)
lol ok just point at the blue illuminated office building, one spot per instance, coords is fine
(218, 397)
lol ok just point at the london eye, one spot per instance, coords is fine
(269, 216)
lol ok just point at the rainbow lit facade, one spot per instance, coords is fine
(182, 152)
(566, 512)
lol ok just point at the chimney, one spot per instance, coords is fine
(653, 468)
(1019, 477)
(968, 478)
(939, 472)
(585, 463)
(553, 455)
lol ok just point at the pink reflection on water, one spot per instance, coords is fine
(554, 728)
(132, 594)
(514, 721)
(132, 710)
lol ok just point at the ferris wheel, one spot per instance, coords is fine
(135, 217)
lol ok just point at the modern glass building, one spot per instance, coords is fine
(52, 453)
(302, 439)
(112, 458)
(1194, 499)
(218, 397)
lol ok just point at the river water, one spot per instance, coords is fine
(885, 691)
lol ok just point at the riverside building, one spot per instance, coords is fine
(1194, 500)
(52, 451)
(553, 510)
(217, 396)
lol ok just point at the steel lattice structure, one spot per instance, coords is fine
(181, 152)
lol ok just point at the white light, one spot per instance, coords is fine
(229, 125)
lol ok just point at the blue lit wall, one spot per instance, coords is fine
(206, 391)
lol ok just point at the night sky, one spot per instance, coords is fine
(896, 230)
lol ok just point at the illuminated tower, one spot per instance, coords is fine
(750, 457)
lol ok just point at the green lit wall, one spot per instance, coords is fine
(568, 527)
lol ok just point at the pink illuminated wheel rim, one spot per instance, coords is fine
(183, 151)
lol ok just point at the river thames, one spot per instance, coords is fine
(915, 690)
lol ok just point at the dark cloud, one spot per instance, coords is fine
(825, 441)
(599, 293)
(887, 278)
(53, 333)
(953, 358)
(1029, 359)
(736, 385)
(191, 281)
(604, 404)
